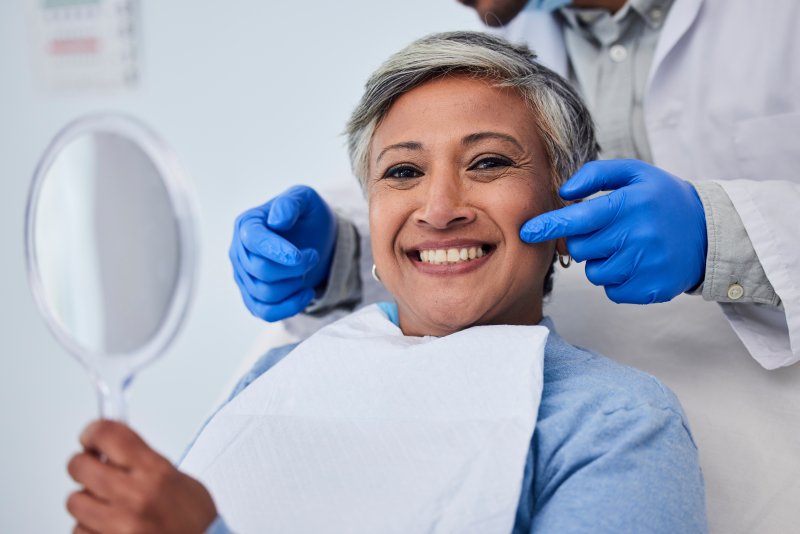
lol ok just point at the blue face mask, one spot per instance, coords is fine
(546, 5)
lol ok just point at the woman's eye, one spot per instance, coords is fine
(493, 162)
(403, 172)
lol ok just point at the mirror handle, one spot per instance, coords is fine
(112, 396)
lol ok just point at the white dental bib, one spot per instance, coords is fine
(362, 429)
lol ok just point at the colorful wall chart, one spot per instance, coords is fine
(85, 44)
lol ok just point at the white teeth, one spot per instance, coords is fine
(450, 255)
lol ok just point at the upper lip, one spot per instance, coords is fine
(450, 243)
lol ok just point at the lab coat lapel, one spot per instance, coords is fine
(679, 19)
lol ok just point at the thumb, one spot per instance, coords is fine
(289, 206)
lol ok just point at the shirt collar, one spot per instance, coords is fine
(607, 28)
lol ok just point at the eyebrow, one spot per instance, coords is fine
(470, 139)
(406, 145)
(480, 136)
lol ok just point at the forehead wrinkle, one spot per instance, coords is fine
(406, 145)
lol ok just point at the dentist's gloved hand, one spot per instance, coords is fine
(645, 241)
(281, 251)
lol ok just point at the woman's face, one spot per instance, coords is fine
(456, 167)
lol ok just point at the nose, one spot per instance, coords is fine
(445, 202)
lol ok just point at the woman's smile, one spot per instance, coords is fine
(451, 257)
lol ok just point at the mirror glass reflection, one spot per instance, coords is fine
(107, 244)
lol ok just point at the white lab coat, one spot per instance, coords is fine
(723, 104)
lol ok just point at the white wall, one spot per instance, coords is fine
(252, 98)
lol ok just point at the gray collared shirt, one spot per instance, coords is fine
(610, 60)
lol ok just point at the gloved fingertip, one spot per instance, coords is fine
(278, 218)
(291, 257)
(532, 232)
(570, 191)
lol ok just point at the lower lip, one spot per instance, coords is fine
(451, 269)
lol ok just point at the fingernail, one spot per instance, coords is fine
(292, 257)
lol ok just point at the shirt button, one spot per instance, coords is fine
(656, 13)
(735, 291)
(618, 53)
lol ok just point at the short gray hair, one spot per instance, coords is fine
(564, 124)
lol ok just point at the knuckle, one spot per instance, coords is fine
(242, 218)
(576, 250)
(273, 314)
(74, 503)
(615, 295)
(263, 292)
(74, 465)
(139, 501)
(99, 432)
(130, 525)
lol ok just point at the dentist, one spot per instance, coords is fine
(697, 106)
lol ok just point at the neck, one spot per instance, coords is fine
(612, 5)
(522, 314)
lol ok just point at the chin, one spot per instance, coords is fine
(448, 318)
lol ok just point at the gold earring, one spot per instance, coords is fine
(564, 264)
(375, 273)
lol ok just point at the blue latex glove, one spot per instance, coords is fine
(281, 251)
(645, 241)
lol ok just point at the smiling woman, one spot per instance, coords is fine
(472, 172)
(444, 411)
(457, 142)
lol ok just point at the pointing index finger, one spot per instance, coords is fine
(289, 206)
(576, 219)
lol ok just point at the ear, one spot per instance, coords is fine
(561, 247)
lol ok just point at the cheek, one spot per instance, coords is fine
(386, 219)
(517, 202)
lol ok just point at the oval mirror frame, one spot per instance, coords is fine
(184, 209)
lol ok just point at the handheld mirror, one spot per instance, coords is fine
(110, 248)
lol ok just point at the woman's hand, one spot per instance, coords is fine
(135, 489)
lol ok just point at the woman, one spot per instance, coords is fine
(458, 140)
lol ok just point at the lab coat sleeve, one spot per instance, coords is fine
(731, 257)
(768, 210)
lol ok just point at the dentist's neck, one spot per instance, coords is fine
(611, 5)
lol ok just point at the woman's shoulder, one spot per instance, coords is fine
(262, 365)
(588, 377)
(606, 430)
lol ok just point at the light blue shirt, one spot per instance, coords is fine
(611, 451)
